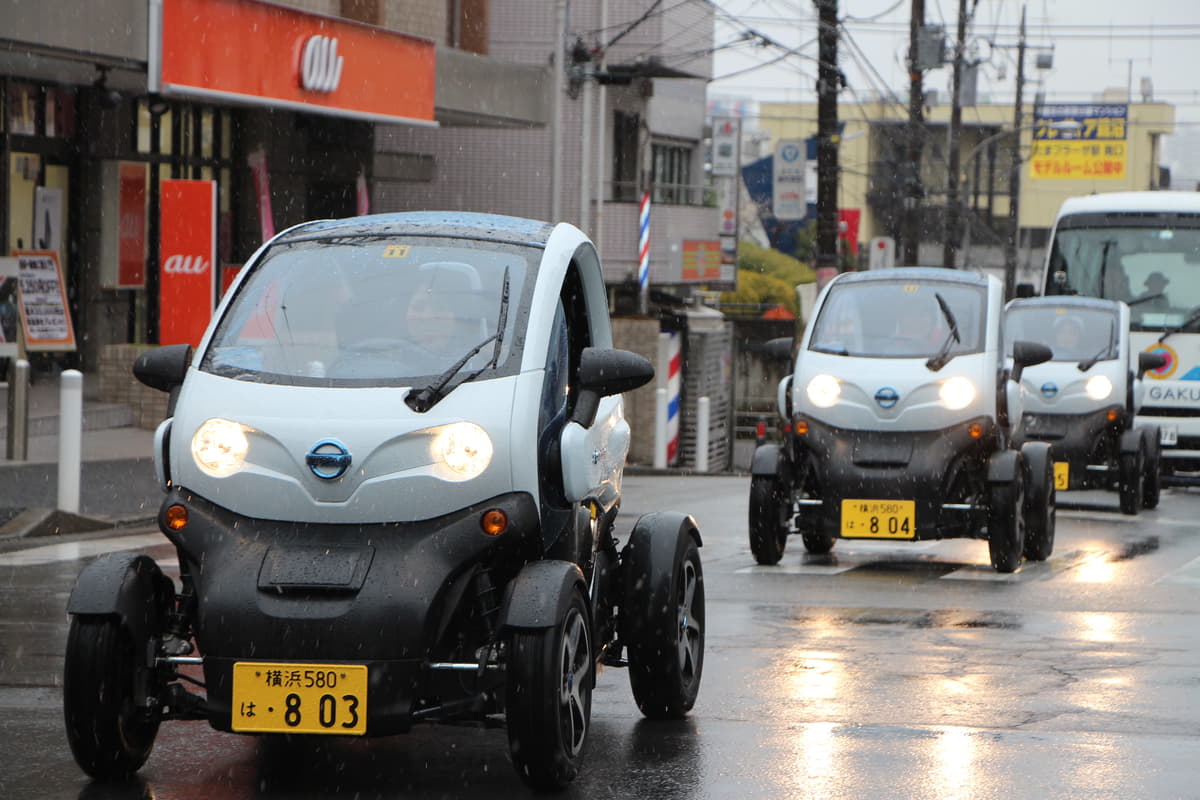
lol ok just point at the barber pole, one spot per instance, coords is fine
(674, 384)
(644, 246)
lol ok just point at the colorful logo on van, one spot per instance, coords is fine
(1172, 363)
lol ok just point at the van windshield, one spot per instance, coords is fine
(1153, 268)
(372, 310)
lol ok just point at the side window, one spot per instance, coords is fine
(554, 389)
(579, 335)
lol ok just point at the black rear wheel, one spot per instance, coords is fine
(1152, 478)
(1040, 501)
(109, 734)
(548, 706)
(770, 518)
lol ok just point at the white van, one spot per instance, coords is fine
(1143, 248)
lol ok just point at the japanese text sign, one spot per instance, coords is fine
(1079, 142)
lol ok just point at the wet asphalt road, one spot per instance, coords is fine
(889, 670)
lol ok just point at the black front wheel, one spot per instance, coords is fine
(1130, 469)
(1040, 501)
(770, 518)
(109, 734)
(1152, 476)
(550, 676)
(1006, 523)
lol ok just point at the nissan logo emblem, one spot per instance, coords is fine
(328, 459)
(1049, 389)
(887, 397)
(320, 64)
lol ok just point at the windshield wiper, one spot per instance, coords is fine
(421, 400)
(1088, 363)
(935, 363)
(1192, 318)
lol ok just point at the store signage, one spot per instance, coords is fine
(188, 250)
(788, 174)
(265, 54)
(45, 315)
(321, 67)
(1084, 141)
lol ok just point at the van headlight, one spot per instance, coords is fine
(219, 447)
(824, 390)
(1098, 387)
(957, 393)
(464, 448)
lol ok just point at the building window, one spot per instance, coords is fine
(671, 174)
(625, 156)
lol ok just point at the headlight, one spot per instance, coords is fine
(464, 448)
(957, 393)
(219, 447)
(824, 390)
(1098, 387)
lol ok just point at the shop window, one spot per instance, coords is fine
(23, 108)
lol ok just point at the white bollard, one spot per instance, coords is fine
(70, 439)
(702, 414)
(660, 428)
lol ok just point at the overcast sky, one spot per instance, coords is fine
(1096, 45)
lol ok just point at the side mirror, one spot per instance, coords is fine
(605, 372)
(1026, 290)
(1149, 361)
(163, 368)
(1026, 354)
(779, 349)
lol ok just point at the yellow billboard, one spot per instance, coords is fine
(1079, 142)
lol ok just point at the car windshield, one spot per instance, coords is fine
(372, 310)
(1071, 332)
(900, 319)
(1156, 270)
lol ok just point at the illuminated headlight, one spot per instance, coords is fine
(1098, 387)
(957, 393)
(464, 448)
(824, 391)
(219, 447)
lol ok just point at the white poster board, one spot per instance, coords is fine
(45, 314)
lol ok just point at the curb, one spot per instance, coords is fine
(40, 522)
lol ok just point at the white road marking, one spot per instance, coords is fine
(1188, 574)
(71, 551)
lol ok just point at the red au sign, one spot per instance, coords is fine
(187, 254)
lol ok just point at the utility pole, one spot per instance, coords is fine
(828, 83)
(916, 139)
(950, 246)
(1014, 175)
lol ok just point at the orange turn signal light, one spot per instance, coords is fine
(494, 522)
(801, 426)
(975, 430)
(176, 517)
(1113, 414)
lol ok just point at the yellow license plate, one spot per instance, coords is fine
(879, 519)
(299, 698)
(1062, 476)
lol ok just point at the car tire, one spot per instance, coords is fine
(1152, 476)
(664, 637)
(109, 735)
(1006, 523)
(1130, 469)
(770, 518)
(1040, 502)
(818, 544)
(548, 703)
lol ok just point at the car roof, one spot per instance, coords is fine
(459, 224)
(1075, 301)
(1116, 202)
(917, 274)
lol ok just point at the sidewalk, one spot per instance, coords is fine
(117, 483)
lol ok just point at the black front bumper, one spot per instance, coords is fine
(930, 468)
(391, 596)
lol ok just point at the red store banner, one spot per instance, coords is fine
(131, 234)
(187, 258)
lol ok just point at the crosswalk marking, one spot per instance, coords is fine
(1188, 574)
